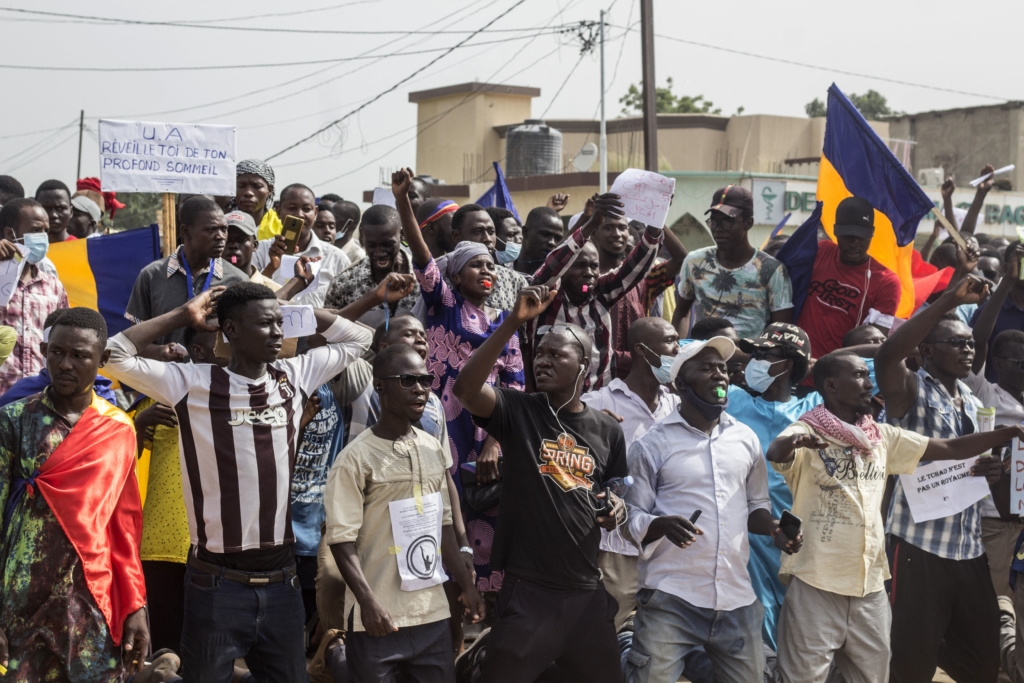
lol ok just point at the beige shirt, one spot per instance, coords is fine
(370, 473)
(839, 501)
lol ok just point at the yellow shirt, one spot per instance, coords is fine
(839, 501)
(369, 474)
(164, 519)
(270, 226)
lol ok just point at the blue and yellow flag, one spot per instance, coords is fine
(99, 273)
(855, 161)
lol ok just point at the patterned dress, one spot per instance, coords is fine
(54, 628)
(456, 328)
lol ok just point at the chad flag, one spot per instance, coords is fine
(99, 273)
(855, 161)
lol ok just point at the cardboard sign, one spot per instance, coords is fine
(646, 196)
(167, 157)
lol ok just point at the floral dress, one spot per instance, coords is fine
(456, 328)
(56, 632)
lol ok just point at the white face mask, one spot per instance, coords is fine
(757, 375)
(37, 243)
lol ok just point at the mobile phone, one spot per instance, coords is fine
(694, 516)
(291, 231)
(790, 524)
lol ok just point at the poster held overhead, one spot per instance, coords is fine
(646, 196)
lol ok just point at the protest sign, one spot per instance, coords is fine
(1017, 478)
(646, 196)
(10, 273)
(287, 271)
(384, 196)
(167, 157)
(943, 488)
(297, 321)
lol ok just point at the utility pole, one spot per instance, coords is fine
(650, 97)
(604, 133)
(81, 129)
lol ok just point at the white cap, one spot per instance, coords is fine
(86, 205)
(723, 345)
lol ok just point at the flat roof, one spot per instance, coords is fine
(629, 123)
(496, 88)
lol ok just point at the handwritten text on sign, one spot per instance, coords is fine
(942, 488)
(167, 157)
(1017, 478)
(646, 195)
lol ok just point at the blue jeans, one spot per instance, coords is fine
(229, 620)
(668, 628)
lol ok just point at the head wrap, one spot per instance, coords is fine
(110, 203)
(462, 254)
(263, 170)
(446, 206)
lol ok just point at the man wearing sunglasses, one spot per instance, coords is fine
(944, 609)
(389, 524)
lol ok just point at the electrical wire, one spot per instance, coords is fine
(34, 132)
(39, 143)
(393, 87)
(181, 24)
(40, 155)
(224, 67)
(561, 87)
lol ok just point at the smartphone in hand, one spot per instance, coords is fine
(790, 524)
(291, 231)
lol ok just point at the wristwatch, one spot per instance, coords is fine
(466, 549)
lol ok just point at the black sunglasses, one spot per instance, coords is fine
(959, 343)
(408, 381)
(1019, 362)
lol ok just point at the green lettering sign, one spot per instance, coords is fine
(1018, 215)
(1006, 216)
(991, 213)
(792, 201)
(809, 201)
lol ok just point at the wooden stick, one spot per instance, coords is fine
(168, 226)
(953, 232)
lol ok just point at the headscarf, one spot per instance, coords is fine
(463, 253)
(446, 206)
(263, 170)
(110, 203)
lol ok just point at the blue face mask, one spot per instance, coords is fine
(37, 244)
(510, 254)
(757, 375)
(662, 372)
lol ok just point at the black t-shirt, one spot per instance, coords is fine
(547, 527)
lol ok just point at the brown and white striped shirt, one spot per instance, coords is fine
(238, 436)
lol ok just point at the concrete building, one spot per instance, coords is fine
(463, 128)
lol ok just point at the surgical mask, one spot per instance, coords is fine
(662, 372)
(510, 254)
(757, 375)
(37, 244)
(709, 411)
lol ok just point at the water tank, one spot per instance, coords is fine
(533, 148)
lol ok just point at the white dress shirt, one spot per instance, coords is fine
(332, 262)
(637, 418)
(678, 469)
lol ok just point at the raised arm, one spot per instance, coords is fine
(471, 386)
(947, 199)
(971, 445)
(400, 182)
(986, 321)
(393, 288)
(971, 219)
(614, 285)
(896, 382)
(676, 252)
(562, 256)
(191, 314)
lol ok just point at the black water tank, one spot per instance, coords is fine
(533, 148)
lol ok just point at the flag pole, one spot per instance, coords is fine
(168, 228)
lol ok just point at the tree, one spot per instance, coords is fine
(140, 210)
(871, 104)
(667, 102)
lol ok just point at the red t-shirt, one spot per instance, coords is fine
(833, 306)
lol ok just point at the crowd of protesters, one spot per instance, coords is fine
(511, 452)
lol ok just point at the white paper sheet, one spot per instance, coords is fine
(287, 271)
(384, 195)
(943, 488)
(10, 273)
(1016, 478)
(646, 195)
(416, 527)
(299, 321)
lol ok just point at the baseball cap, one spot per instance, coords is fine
(86, 205)
(855, 217)
(732, 200)
(723, 345)
(242, 221)
(780, 334)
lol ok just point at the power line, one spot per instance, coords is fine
(39, 143)
(222, 67)
(39, 155)
(33, 132)
(395, 86)
(827, 69)
(181, 24)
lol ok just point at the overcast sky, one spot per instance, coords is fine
(966, 47)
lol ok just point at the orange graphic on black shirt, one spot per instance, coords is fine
(565, 462)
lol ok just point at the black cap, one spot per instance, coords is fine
(733, 201)
(780, 334)
(855, 217)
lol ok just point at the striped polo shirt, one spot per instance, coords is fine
(238, 436)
